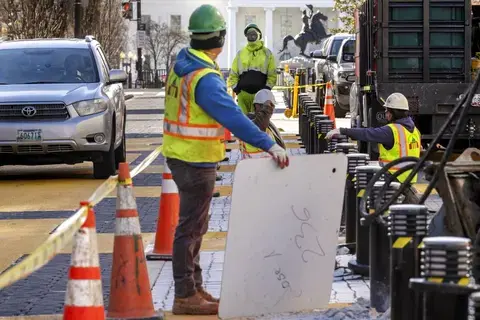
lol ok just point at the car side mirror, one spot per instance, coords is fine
(332, 58)
(116, 76)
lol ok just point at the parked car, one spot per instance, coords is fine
(61, 103)
(340, 70)
(331, 47)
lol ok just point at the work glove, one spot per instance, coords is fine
(332, 133)
(279, 155)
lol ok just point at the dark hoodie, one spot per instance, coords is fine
(383, 135)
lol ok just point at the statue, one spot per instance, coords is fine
(313, 31)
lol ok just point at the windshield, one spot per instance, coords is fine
(336, 46)
(47, 65)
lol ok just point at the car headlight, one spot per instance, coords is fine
(88, 107)
(342, 74)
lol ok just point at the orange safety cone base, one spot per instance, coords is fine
(81, 313)
(163, 248)
(159, 315)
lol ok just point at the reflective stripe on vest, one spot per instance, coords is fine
(249, 151)
(263, 69)
(406, 144)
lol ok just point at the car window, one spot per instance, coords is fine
(103, 64)
(47, 65)
(102, 55)
(337, 43)
(325, 46)
(348, 51)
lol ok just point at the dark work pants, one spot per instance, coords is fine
(195, 188)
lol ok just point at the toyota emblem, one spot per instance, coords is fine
(29, 111)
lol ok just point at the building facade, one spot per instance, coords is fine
(276, 18)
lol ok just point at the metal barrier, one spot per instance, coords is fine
(322, 126)
(332, 144)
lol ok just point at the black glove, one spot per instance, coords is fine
(236, 90)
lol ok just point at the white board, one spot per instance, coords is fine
(282, 235)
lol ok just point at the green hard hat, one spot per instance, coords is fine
(206, 18)
(252, 25)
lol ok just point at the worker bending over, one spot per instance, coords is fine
(399, 138)
(197, 108)
(252, 69)
(264, 104)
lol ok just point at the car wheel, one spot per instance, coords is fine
(106, 167)
(121, 151)
(339, 112)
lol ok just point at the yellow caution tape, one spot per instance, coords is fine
(65, 232)
(401, 242)
(300, 87)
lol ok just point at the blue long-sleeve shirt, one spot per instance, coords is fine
(212, 96)
(383, 135)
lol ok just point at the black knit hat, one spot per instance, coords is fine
(206, 41)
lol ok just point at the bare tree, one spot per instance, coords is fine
(162, 43)
(28, 19)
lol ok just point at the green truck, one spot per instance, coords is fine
(424, 49)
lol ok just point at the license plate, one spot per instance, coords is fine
(29, 135)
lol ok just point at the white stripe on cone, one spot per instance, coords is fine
(125, 198)
(85, 248)
(127, 226)
(168, 185)
(84, 293)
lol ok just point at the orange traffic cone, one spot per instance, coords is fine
(328, 108)
(167, 218)
(228, 136)
(84, 297)
(130, 295)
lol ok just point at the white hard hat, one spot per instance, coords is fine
(396, 101)
(264, 95)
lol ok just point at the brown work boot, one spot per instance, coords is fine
(207, 296)
(194, 305)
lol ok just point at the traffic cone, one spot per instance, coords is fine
(84, 297)
(167, 218)
(328, 108)
(130, 295)
(228, 136)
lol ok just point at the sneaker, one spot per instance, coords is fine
(207, 296)
(194, 305)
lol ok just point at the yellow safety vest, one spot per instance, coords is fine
(407, 144)
(248, 151)
(190, 134)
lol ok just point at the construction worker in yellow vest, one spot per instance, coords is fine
(399, 138)
(253, 69)
(264, 104)
(197, 108)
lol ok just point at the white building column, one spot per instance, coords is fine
(268, 35)
(232, 34)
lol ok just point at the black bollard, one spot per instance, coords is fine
(363, 174)
(324, 127)
(305, 119)
(332, 144)
(380, 248)
(311, 133)
(407, 226)
(446, 280)
(319, 93)
(474, 306)
(346, 147)
(354, 160)
(317, 118)
(303, 98)
(301, 72)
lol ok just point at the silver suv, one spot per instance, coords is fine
(61, 102)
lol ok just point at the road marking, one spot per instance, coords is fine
(160, 94)
(134, 93)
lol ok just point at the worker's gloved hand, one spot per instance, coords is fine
(279, 155)
(332, 133)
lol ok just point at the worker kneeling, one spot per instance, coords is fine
(399, 138)
(264, 104)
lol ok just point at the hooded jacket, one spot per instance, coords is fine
(212, 96)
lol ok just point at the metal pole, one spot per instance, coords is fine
(360, 265)
(408, 226)
(78, 18)
(139, 50)
(354, 160)
(446, 278)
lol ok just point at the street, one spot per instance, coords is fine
(36, 200)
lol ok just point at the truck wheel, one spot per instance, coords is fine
(106, 167)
